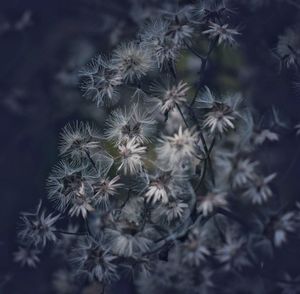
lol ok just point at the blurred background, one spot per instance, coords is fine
(43, 45)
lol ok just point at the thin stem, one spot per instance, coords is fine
(70, 233)
(202, 176)
(91, 160)
(195, 52)
(88, 227)
(181, 113)
(212, 45)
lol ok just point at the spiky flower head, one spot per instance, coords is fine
(129, 240)
(132, 60)
(167, 96)
(27, 256)
(100, 82)
(131, 154)
(67, 181)
(137, 125)
(181, 145)
(79, 139)
(93, 260)
(159, 188)
(194, 250)
(221, 114)
(259, 190)
(208, 203)
(173, 211)
(37, 228)
(233, 254)
(155, 38)
(104, 189)
(221, 33)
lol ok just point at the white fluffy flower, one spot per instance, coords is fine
(166, 95)
(159, 188)
(129, 240)
(219, 119)
(81, 202)
(100, 82)
(132, 60)
(104, 189)
(131, 157)
(181, 145)
(137, 125)
(78, 139)
(221, 114)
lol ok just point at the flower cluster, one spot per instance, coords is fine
(173, 204)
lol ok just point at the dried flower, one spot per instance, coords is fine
(37, 228)
(132, 60)
(27, 256)
(101, 81)
(259, 190)
(167, 96)
(222, 33)
(131, 157)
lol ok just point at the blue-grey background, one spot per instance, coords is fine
(39, 94)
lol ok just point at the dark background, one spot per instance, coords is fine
(39, 94)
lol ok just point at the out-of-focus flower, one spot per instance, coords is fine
(278, 228)
(297, 127)
(243, 172)
(27, 256)
(181, 145)
(194, 251)
(288, 47)
(129, 240)
(64, 282)
(93, 260)
(179, 31)
(37, 228)
(265, 135)
(171, 212)
(222, 33)
(292, 285)
(208, 203)
(233, 254)
(259, 191)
